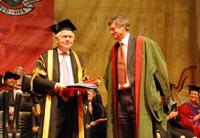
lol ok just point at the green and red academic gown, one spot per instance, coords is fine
(149, 64)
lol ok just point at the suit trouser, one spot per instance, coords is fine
(126, 114)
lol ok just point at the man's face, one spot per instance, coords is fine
(10, 82)
(194, 96)
(118, 32)
(65, 40)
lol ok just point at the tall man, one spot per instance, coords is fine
(61, 116)
(136, 82)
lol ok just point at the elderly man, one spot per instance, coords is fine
(61, 116)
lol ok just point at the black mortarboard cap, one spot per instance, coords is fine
(194, 88)
(9, 74)
(63, 25)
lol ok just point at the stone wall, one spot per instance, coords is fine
(173, 24)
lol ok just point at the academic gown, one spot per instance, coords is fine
(62, 112)
(187, 113)
(99, 112)
(145, 62)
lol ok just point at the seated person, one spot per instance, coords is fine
(190, 111)
(10, 80)
(19, 70)
(175, 129)
(98, 115)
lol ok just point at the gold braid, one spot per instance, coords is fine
(37, 72)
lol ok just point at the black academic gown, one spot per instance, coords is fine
(64, 115)
(98, 112)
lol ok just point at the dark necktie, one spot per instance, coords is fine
(121, 66)
(66, 77)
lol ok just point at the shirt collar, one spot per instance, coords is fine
(125, 40)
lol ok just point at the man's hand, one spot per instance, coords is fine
(61, 89)
(172, 114)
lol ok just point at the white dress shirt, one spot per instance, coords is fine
(68, 61)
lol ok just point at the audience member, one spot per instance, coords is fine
(10, 80)
(98, 115)
(190, 111)
(175, 128)
(20, 71)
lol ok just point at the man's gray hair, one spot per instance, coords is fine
(120, 21)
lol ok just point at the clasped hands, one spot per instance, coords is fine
(172, 114)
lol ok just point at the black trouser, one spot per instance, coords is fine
(126, 114)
